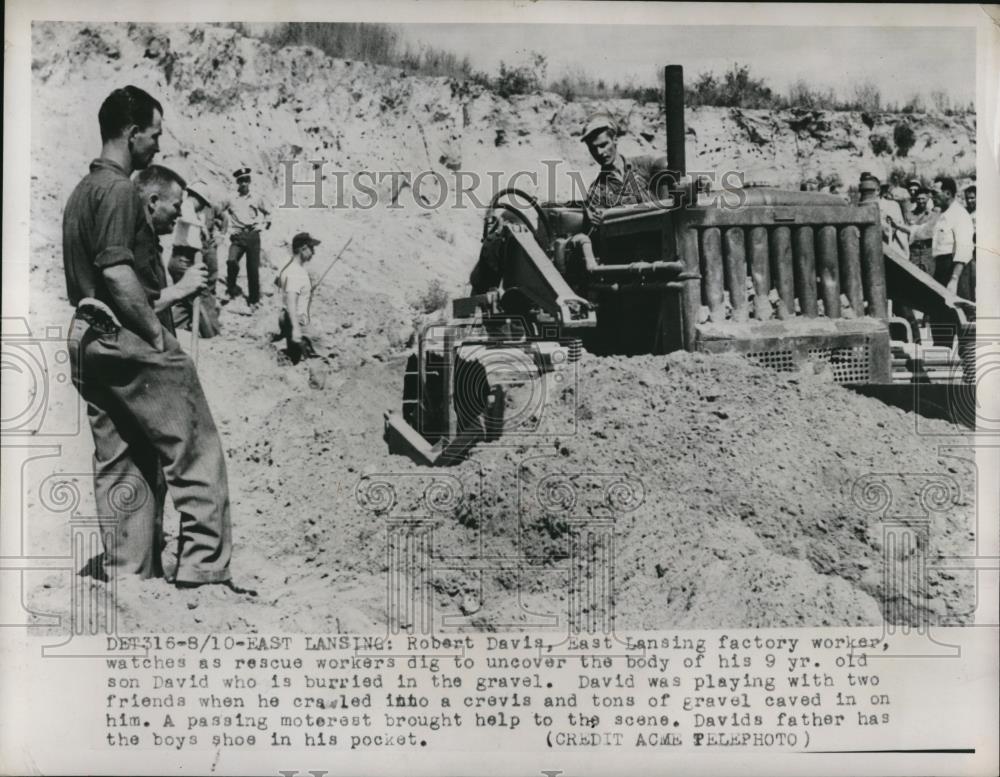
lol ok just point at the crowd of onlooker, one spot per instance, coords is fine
(931, 225)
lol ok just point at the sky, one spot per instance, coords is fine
(902, 61)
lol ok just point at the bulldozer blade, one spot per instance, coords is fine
(404, 440)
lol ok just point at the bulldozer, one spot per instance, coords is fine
(783, 277)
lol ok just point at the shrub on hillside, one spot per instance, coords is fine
(434, 297)
(802, 95)
(941, 102)
(904, 137)
(915, 105)
(523, 79)
(736, 88)
(380, 44)
(865, 96)
(880, 144)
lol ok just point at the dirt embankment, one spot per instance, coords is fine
(729, 491)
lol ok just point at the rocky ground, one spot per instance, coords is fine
(729, 490)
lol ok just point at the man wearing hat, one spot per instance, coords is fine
(248, 216)
(621, 180)
(195, 234)
(214, 222)
(922, 221)
(913, 187)
(296, 294)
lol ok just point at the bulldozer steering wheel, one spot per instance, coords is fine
(543, 220)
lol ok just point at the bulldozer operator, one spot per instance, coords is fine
(620, 181)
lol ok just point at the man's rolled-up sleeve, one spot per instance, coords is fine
(115, 226)
(963, 231)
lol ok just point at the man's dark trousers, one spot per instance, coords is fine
(153, 433)
(245, 241)
(944, 264)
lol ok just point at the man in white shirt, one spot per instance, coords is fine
(895, 235)
(248, 215)
(888, 208)
(296, 292)
(952, 241)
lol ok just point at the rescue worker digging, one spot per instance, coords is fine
(296, 294)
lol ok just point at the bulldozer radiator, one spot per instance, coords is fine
(787, 284)
(759, 272)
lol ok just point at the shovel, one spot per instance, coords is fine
(196, 318)
(188, 234)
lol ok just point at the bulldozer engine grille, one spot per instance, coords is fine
(759, 270)
(781, 360)
(791, 283)
(853, 351)
(849, 365)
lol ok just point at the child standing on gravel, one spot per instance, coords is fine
(296, 294)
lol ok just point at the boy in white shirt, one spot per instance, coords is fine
(296, 293)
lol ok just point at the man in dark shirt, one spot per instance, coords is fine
(621, 180)
(152, 427)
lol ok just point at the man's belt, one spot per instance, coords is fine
(921, 243)
(98, 315)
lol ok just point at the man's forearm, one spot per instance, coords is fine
(131, 305)
(168, 298)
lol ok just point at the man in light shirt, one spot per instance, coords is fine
(296, 292)
(869, 191)
(248, 215)
(952, 241)
(895, 238)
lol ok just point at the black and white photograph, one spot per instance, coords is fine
(605, 327)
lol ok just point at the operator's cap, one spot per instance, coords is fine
(914, 182)
(199, 189)
(241, 173)
(302, 239)
(598, 123)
